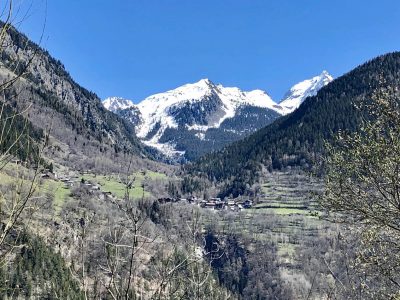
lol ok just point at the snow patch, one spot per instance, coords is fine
(117, 103)
(201, 136)
(167, 149)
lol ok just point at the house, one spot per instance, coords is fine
(45, 176)
(209, 204)
(230, 203)
(69, 183)
(108, 194)
(215, 199)
(192, 199)
(64, 179)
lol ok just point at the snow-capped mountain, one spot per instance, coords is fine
(201, 117)
(115, 104)
(209, 104)
(300, 91)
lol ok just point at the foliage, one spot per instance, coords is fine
(248, 274)
(37, 271)
(19, 137)
(363, 189)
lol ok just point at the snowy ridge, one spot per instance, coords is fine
(154, 109)
(300, 91)
(198, 107)
(117, 103)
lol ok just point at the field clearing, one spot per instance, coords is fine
(281, 211)
(61, 193)
(114, 183)
(59, 190)
(43, 186)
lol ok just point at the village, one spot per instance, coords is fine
(74, 181)
(213, 203)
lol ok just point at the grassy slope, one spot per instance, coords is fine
(56, 188)
(114, 183)
(61, 192)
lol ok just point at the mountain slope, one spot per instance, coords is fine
(202, 117)
(76, 116)
(294, 140)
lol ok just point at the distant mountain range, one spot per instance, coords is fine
(202, 117)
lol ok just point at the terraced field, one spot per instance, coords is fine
(286, 213)
(290, 190)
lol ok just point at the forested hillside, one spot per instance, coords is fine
(56, 102)
(297, 139)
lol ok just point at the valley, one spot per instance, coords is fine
(203, 191)
(283, 214)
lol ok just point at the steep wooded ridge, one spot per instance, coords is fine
(296, 139)
(75, 114)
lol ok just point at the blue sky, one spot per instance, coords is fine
(140, 47)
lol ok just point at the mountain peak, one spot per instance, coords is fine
(326, 74)
(202, 86)
(205, 81)
(300, 91)
(117, 103)
(168, 120)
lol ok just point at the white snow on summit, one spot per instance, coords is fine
(300, 91)
(156, 116)
(154, 109)
(117, 103)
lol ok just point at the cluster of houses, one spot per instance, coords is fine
(70, 182)
(213, 203)
(67, 180)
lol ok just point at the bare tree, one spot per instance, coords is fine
(363, 190)
(125, 242)
(14, 140)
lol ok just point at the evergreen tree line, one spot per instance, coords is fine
(37, 272)
(19, 138)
